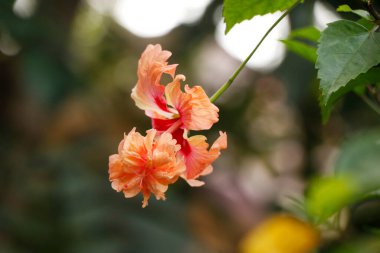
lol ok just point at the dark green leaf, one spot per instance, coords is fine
(310, 33)
(361, 13)
(362, 245)
(358, 84)
(302, 49)
(366, 23)
(301, 42)
(347, 49)
(236, 11)
(360, 159)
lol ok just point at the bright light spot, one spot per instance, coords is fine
(24, 8)
(243, 37)
(153, 18)
(7, 45)
(192, 10)
(323, 15)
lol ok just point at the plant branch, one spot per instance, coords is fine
(373, 11)
(225, 86)
(374, 106)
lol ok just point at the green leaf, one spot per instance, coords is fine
(327, 196)
(366, 23)
(362, 13)
(301, 42)
(372, 76)
(302, 49)
(310, 33)
(346, 50)
(357, 174)
(236, 11)
(360, 159)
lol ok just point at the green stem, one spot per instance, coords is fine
(225, 86)
(375, 107)
(373, 11)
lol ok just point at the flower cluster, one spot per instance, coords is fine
(148, 164)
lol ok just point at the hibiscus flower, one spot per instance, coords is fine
(145, 164)
(149, 164)
(175, 111)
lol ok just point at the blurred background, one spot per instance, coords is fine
(66, 73)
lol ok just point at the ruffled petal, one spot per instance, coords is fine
(195, 110)
(198, 158)
(146, 196)
(195, 182)
(203, 113)
(121, 179)
(193, 106)
(148, 92)
(178, 100)
(145, 164)
(219, 144)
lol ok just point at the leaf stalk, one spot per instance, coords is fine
(373, 11)
(374, 106)
(225, 86)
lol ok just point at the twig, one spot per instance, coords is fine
(373, 11)
(242, 65)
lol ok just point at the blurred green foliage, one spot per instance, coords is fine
(356, 175)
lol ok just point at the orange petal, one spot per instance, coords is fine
(220, 143)
(194, 107)
(146, 196)
(198, 158)
(203, 113)
(121, 180)
(145, 164)
(195, 182)
(178, 100)
(148, 92)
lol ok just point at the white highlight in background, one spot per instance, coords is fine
(242, 38)
(152, 18)
(24, 8)
(322, 15)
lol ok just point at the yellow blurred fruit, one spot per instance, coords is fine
(281, 234)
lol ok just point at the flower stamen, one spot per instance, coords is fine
(174, 127)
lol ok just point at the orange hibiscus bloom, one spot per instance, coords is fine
(149, 164)
(190, 110)
(175, 111)
(145, 164)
